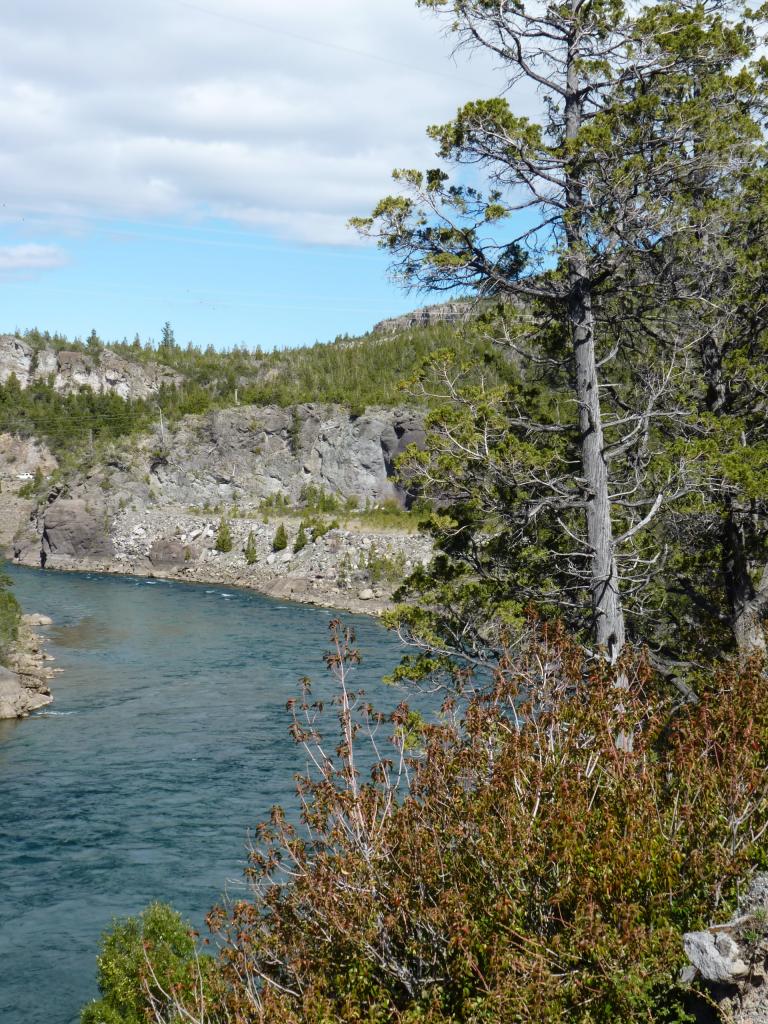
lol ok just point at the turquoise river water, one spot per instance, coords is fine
(166, 743)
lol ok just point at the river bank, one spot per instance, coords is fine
(25, 682)
(349, 568)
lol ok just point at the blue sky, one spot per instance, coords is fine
(197, 163)
(216, 282)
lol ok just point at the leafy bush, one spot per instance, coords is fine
(146, 963)
(224, 536)
(10, 614)
(280, 540)
(319, 526)
(390, 515)
(560, 832)
(378, 566)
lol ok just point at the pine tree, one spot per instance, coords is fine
(571, 232)
(301, 538)
(224, 536)
(280, 541)
(250, 551)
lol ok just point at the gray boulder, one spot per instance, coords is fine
(71, 530)
(16, 699)
(716, 957)
(168, 552)
(730, 962)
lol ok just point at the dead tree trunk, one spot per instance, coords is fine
(607, 611)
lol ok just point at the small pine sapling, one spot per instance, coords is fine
(280, 542)
(224, 536)
(250, 552)
(301, 538)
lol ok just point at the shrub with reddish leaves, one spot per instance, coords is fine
(534, 856)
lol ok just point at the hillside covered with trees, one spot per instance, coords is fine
(354, 372)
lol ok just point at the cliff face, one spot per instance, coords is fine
(427, 316)
(244, 455)
(70, 370)
(236, 457)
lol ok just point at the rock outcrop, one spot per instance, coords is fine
(24, 686)
(104, 371)
(729, 962)
(253, 452)
(70, 529)
(443, 312)
(20, 459)
(16, 700)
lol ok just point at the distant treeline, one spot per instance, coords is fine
(356, 372)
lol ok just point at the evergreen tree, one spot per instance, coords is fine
(250, 551)
(280, 540)
(10, 614)
(573, 228)
(224, 536)
(301, 538)
(718, 581)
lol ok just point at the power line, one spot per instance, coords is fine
(338, 47)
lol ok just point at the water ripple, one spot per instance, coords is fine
(167, 743)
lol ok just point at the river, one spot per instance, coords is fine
(166, 743)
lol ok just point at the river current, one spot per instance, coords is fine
(167, 742)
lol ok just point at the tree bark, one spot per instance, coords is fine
(607, 610)
(748, 604)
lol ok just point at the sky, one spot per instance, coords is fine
(196, 163)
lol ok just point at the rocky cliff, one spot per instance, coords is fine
(427, 316)
(153, 505)
(71, 369)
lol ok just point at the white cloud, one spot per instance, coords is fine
(31, 257)
(288, 116)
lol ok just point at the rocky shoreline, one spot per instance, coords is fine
(346, 569)
(25, 683)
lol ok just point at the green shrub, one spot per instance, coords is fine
(320, 526)
(32, 487)
(280, 540)
(224, 536)
(317, 499)
(250, 551)
(556, 835)
(274, 503)
(294, 433)
(10, 614)
(147, 963)
(378, 566)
